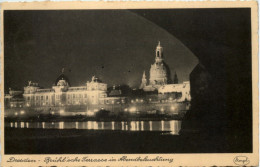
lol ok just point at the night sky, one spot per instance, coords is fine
(115, 45)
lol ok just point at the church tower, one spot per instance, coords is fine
(159, 53)
(158, 71)
(144, 81)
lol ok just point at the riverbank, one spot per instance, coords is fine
(81, 118)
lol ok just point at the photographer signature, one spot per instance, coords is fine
(241, 160)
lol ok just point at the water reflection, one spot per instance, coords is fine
(172, 126)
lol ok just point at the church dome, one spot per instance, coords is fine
(62, 82)
(160, 73)
(168, 73)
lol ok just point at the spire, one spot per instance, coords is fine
(175, 79)
(144, 81)
(159, 43)
(144, 76)
(62, 70)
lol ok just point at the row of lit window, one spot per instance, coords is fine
(77, 96)
(39, 97)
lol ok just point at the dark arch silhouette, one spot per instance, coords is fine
(221, 40)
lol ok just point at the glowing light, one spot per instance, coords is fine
(162, 109)
(52, 112)
(125, 109)
(137, 100)
(89, 124)
(77, 125)
(150, 99)
(90, 113)
(172, 127)
(27, 124)
(132, 101)
(172, 108)
(61, 125)
(12, 105)
(133, 128)
(28, 105)
(170, 98)
(142, 100)
(113, 125)
(137, 125)
(150, 125)
(162, 123)
(132, 109)
(16, 113)
(22, 112)
(62, 111)
(123, 125)
(102, 125)
(95, 125)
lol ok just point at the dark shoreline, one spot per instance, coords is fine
(51, 118)
(78, 141)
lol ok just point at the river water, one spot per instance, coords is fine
(172, 126)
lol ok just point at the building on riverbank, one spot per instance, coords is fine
(160, 94)
(61, 93)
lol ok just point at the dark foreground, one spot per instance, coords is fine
(72, 141)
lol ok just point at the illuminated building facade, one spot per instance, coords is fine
(62, 94)
(183, 89)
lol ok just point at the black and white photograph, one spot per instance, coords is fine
(128, 81)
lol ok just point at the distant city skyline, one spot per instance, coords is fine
(114, 45)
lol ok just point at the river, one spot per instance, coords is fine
(172, 126)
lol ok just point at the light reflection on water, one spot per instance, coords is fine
(173, 126)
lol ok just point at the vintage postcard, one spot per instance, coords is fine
(129, 84)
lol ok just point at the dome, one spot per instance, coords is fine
(62, 78)
(62, 82)
(168, 73)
